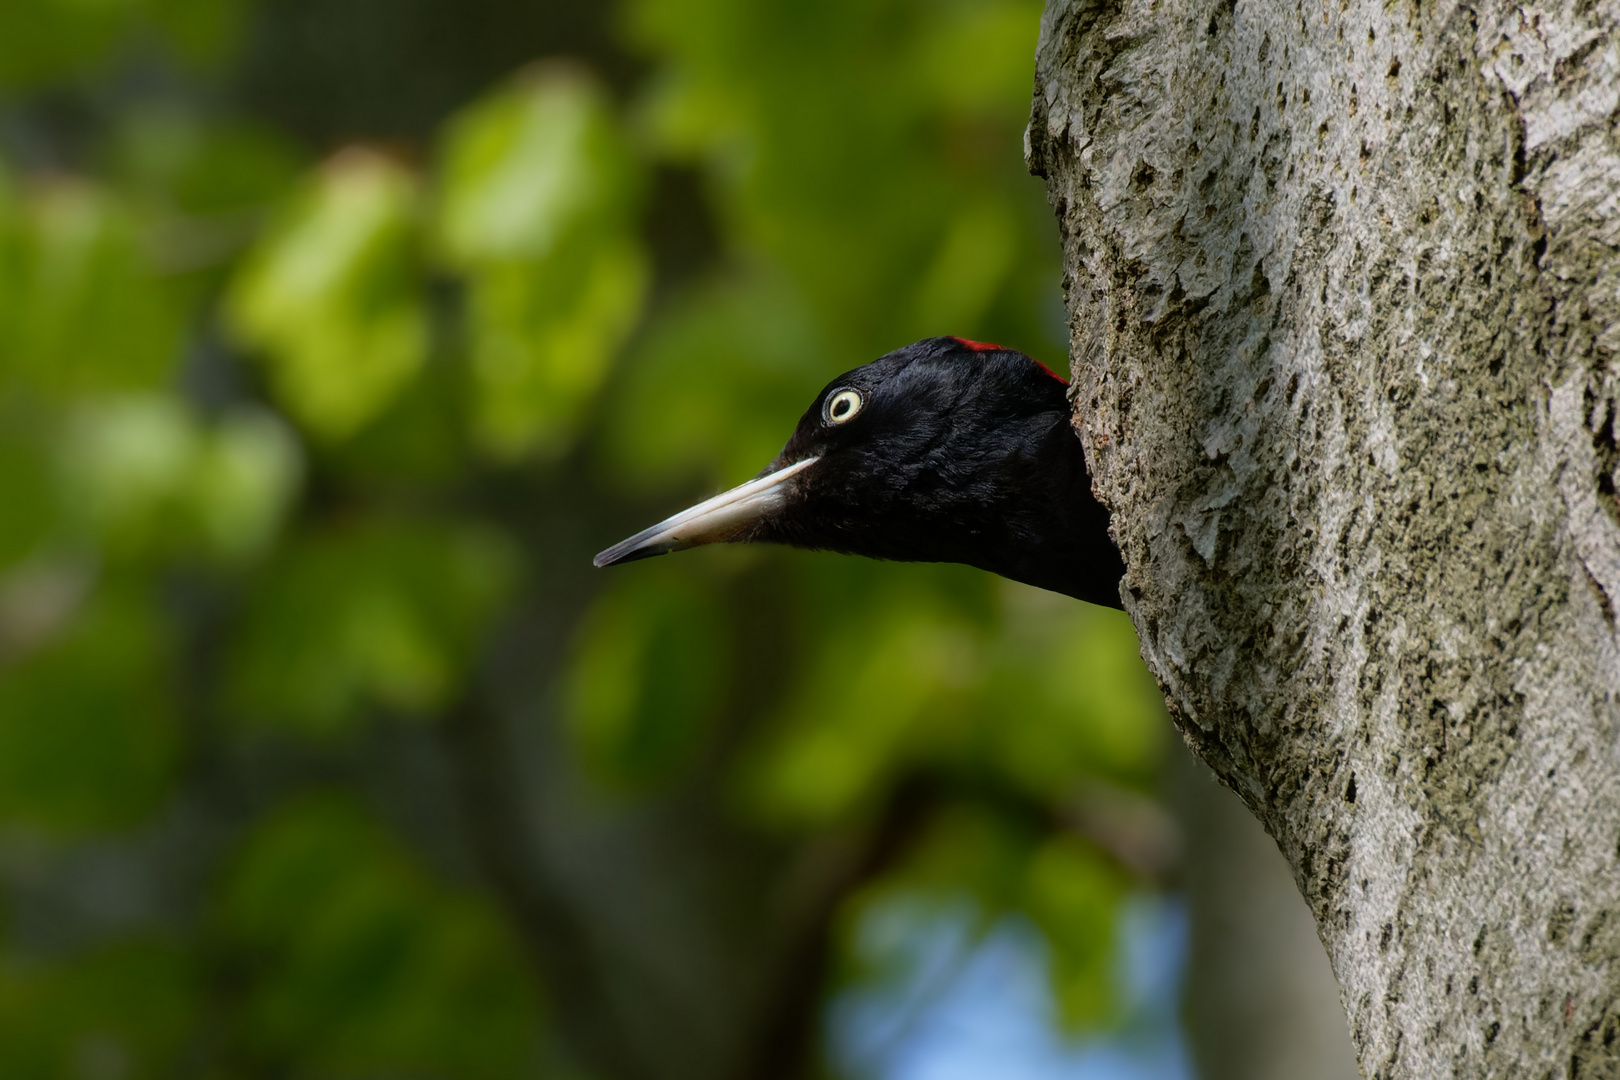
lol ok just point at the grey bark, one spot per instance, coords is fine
(1344, 306)
(1260, 1001)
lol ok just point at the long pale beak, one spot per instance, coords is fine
(713, 521)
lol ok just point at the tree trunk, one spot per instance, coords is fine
(1343, 296)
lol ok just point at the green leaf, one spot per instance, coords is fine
(331, 296)
(146, 478)
(41, 40)
(88, 735)
(714, 388)
(359, 964)
(130, 1010)
(85, 311)
(527, 167)
(844, 144)
(969, 268)
(648, 677)
(29, 511)
(44, 41)
(976, 850)
(12, 268)
(201, 32)
(894, 673)
(243, 482)
(543, 340)
(419, 440)
(1074, 898)
(975, 58)
(370, 613)
(1072, 697)
(536, 208)
(202, 169)
(126, 466)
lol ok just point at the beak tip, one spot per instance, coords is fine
(725, 517)
(612, 556)
(632, 550)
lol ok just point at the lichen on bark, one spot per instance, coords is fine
(1344, 299)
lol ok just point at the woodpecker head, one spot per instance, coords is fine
(947, 450)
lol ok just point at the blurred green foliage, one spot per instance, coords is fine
(127, 1009)
(83, 312)
(357, 961)
(88, 728)
(278, 430)
(537, 209)
(52, 40)
(377, 613)
(332, 296)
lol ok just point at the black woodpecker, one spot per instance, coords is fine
(948, 450)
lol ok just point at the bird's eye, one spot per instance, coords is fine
(842, 405)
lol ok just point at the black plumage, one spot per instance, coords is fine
(944, 451)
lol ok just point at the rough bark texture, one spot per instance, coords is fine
(1345, 302)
